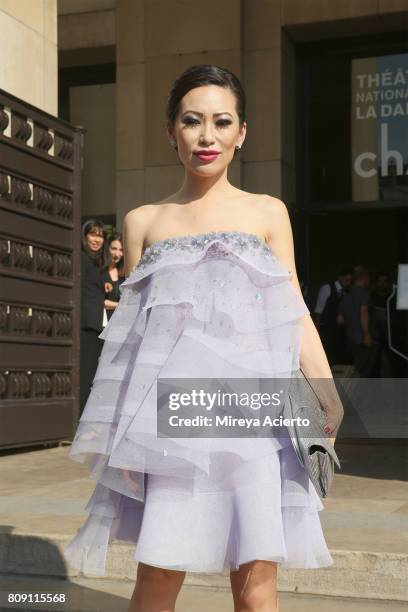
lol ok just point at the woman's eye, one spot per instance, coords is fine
(220, 122)
(190, 121)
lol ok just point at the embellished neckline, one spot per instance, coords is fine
(191, 243)
(201, 235)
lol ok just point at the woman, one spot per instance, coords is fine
(214, 294)
(93, 279)
(115, 272)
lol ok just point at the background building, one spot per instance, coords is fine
(319, 136)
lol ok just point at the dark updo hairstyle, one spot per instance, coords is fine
(204, 74)
(99, 258)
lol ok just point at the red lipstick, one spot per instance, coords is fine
(207, 155)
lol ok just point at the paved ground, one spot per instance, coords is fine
(109, 596)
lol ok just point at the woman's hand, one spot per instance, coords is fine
(108, 287)
(334, 416)
(132, 484)
(110, 304)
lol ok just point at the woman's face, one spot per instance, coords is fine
(94, 239)
(207, 121)
(116, 251)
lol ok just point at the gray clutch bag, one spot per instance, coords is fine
(311, 444)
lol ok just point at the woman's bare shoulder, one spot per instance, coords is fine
(143, 211)
(136, 224)
(270, 204)
(273, 213)
(139, 219)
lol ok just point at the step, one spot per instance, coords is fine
(360, 574)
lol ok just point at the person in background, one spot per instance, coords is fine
(379, 295)
(93, 288)
(354, 314)
(116, 274)
(325, 317)
(388, 361)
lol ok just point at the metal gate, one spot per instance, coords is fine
(40, 162)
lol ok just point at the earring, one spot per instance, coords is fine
(237, 147)
(173, 142)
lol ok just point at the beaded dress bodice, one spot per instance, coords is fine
(193, 243)
(233, 245)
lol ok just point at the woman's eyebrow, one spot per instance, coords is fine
(202, 114)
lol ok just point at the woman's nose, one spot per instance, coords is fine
(207, 134)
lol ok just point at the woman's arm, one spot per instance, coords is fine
(313, 360)
(135, 225)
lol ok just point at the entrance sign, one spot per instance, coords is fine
(402, 287)
(379, 128)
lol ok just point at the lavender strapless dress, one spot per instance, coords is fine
(202, 306)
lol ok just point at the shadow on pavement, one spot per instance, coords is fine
(32, 565)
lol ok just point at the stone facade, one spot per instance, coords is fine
(29, 56)
(154, 40)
